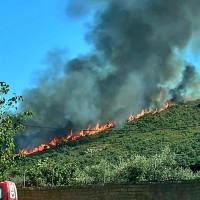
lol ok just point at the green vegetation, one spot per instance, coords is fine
(159, 167)
(153, 148)
(10, 124)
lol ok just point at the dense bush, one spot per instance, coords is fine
(159, 167)
(130, 152)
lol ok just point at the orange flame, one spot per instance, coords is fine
(132, 116)
(98, 128)
(37, 149)
(54, 142)
(143, 112)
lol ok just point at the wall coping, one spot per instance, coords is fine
(114, 185)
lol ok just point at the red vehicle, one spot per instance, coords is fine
(8, 190)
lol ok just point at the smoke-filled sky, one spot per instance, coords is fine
(30, 29)
(135, 55)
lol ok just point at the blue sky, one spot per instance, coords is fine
(30, 29)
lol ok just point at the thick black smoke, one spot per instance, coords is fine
(132, 65)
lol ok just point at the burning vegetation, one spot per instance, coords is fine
(144, 112)
(89, 131)
(135, 62)
(71, 136)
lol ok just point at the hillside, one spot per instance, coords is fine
(176, 127)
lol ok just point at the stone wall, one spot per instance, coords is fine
(187, 190)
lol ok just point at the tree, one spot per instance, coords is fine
(10, 125)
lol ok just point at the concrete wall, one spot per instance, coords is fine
(187, 190)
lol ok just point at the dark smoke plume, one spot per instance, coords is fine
(133, 65)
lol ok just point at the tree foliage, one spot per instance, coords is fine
(10, 124)
(160, 167)
(131, 152)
